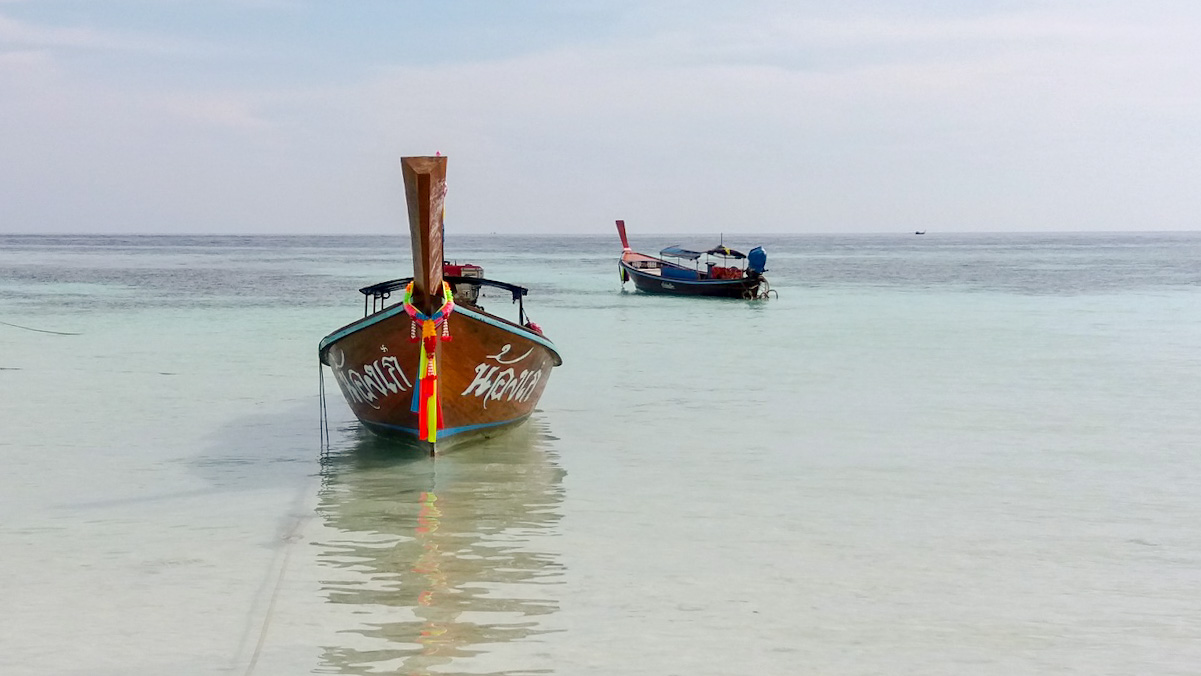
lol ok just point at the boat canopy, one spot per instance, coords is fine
(723, 251)
(677, 252)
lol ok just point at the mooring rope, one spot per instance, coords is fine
(275, 577)
(270, 612)
(323, 424)
(27, 328)
(279, 566)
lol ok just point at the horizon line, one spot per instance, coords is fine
(908, 232)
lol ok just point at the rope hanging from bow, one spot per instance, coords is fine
(426, 401)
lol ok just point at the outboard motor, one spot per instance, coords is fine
(757, 261)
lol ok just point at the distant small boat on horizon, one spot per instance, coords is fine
(920, 232)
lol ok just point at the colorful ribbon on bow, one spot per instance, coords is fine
(426, 401)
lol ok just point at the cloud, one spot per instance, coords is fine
(230, 111)
(690, 130)
(31, 35)
(774, 120)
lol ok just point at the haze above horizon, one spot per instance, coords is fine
(289, 116)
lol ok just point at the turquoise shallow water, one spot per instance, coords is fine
(931, 455)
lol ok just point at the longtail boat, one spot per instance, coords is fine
(435, 368)
(656, 274)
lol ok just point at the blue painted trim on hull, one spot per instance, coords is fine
(529, 335)
(391, 312)
(451, 431)
(358, 326)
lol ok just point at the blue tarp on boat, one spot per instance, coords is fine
(678, 273)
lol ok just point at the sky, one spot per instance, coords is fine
(757, 116)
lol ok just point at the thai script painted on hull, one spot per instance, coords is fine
(378, 379)
(494, 382)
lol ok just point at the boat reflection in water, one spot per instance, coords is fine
(445, 558)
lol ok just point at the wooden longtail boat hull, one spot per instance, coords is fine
(427, 369)
(747, 287)
(491, 373)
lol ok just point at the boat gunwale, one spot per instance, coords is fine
(479, 315)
